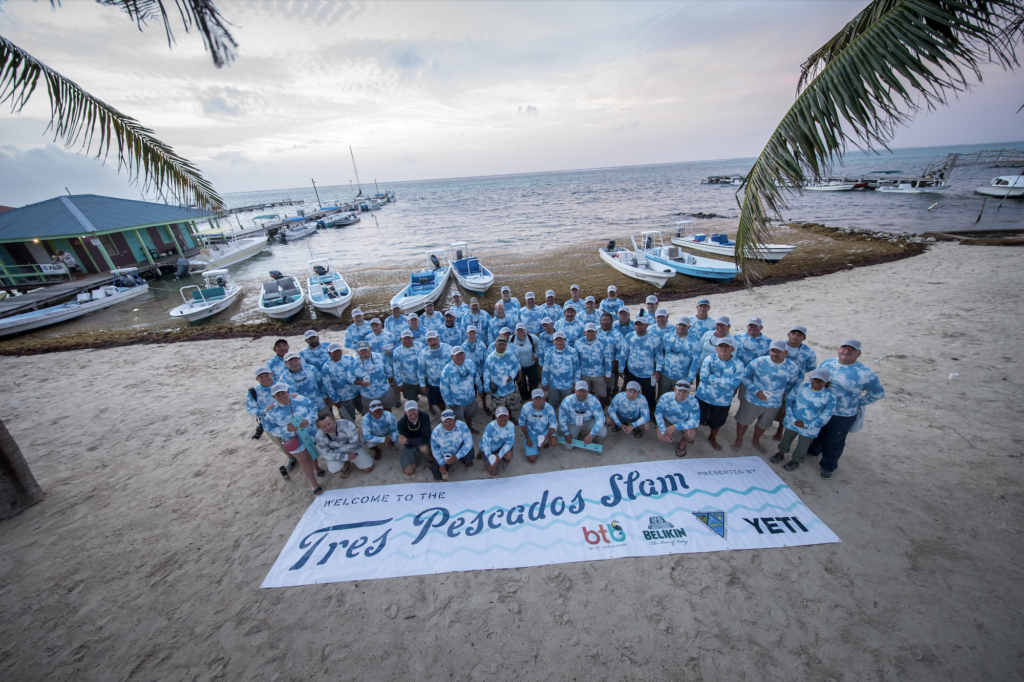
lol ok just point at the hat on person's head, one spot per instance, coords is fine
(798, 328)
(755, 321)
(558, 335)
(376, 405)
(500, 411)
(396, 305)
(633, 385)
(590, 299)
(376, 320)
(412, 316)
(334, 346)
(684, 319)
(456, 350)
(652, 299)
(431, 335)
(505, 330)
(611, 287)
(449, 312)
(821, 373)
(661, 312)
(363, 345)
(410, 405)
(537, 393)
(703, 301)
(624, 309)
(291, 356)
(471, 328)
(852, 343)
(447, 414)
(407, 333)
(504, 289)
(723, 319)
(683, 385)
(779, 344)
(726, 341)
(263, 370)
(456, 293)
(473, 300)
(310, 334)
(500, 339)
(581, 386)
(547, 320)
(640, 320)
(550, 293)
(529, 295)
(278, 388)
(356, 312)
(590, 327)
(574, 286)
(520, 325)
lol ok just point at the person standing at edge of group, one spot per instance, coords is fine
(720, 376)
(501, 375)
(357, 331)
(460, 385)
(531, 315)
(552, 309)
(629, 412)
(767, 380)
(510, 303)
(432, 360)
(497, 442)
(376, 378)
(339, 446)
(259, 398)
(701, 324)
(450, 441)
(855, 387)
(613, 302)
(679, 358)
(609, 335)
(528, 347)
(811, 406)
(643, 350)
(396, 322)
(414, 436)
(405, 364)
(279, 422)
(649, 309)
(380, 428)
(313, 354)
(590, 314)
(805, 359)
(539, 423)
(574, 302)
(580, 413)
(596, 357)
(341, 372)
(561, 370)
(678, 412)
(307, 382)
(570, 326)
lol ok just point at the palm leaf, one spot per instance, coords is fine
(892, 59)
(77, 117)
(201, 14)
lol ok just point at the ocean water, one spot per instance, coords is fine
(534, 215)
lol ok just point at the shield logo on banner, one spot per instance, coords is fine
(715, 520)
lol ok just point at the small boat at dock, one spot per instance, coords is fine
(327, 290)
(831, 186)
(218, 293)
(635, 264)
(213, 256)
(723, 246)
(1003, 186)
(281, 298)
(340, 220)
(425, 286)
(671, 258)
(911, 187)
(469, 273)
(298, 230)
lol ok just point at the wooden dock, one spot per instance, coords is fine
(261, 207)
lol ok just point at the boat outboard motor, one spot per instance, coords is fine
(650, 243)
(221, 282)
(181, 268)
(276, 274)
(433, 259)
(320, 270)
(458, 255)
(611, 245)
(321, 225)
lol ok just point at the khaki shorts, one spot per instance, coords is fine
(749, 413)
(467, 411)
(596, 385)
(363, 460)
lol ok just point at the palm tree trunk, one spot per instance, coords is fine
(18, 487)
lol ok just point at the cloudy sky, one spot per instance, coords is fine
(437, 89)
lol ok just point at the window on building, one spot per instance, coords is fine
(108, 245)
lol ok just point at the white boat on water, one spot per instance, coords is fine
(218, 293)
(298, 231)
(340, 220)
(635, 264)
(468, 271)
(126, 285)
(425, 286)
(723, 246)
(833, 186)
(1003, 186)
(327, 290)
(670, 258)
(911, 187)
(281, 298)
(222, 255)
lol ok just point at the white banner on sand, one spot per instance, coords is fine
(644, 509)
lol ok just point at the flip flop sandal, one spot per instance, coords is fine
(318, 491)
(637, 433)
(345, 470)
(681, 451)
(321, 475)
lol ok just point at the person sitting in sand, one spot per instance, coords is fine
(450, 441)
(581, 413)
(413, 436)
(767, 380)
(339, 446)
(720, 376)
(629, 412)
(280, 420)
(380, 429)
(678, 412)
(497, 442)
(809, 407)
(538, 422)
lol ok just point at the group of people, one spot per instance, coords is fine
(564, 374)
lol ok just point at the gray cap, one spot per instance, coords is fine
(537, 393)
(456, 293)
(722, 319)
(652, 299)
(363, 345)
(505, 330)
(412, 316)
(623, 309)
(611, 287)
(822, 374)
(683, 384)
(590, 299)
(279, 387)
(291, 356)
(357, 311)
(407, 333)
(263, 370)
(633, 385)
(590, 327)
(334, 346)
(431, 335)
(310, 334)
(447, 414)
(376, 320)
(756, 320)
(852, 343)
(684, 319)
(558, 335)
(471, 328)
(529, 295)
(396, 305)
(449, 312)
(500, 339)
(779, 344)
(581, 386)
(410, 405)
(376, 405)
(500, 411)
(549, 292)
(547, 320)
(574, 286)
(798, 328)
(727, 341)
(661, 313)
(456, 350)
(640, 320)
(520, 325)
(504, 289)
(703, 301)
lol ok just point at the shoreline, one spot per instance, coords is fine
(821, 250)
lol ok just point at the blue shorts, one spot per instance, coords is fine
(533, 450)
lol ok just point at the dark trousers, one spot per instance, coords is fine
(831, 441)
(531, 380)
(435, 468)
(650, 393)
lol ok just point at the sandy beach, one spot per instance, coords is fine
(162, 518)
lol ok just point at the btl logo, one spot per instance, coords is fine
(602, 534)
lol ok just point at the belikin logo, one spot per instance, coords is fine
(613, 531)
(660, 529)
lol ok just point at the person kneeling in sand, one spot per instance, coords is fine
(497, 442)
(379, 428)
(538, 422)
(629, 412)
(581, 413)
(678, 412)
(279, 418)
(808, 408)
(338, 443)
(450, 441)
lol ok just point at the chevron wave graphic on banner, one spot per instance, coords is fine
(715, 520)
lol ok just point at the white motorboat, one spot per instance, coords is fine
(298, 231)
(218, 293)
(635, 264)
(341, 220)
(723, 246)
(468, 271)
(231, 252)
(425, 286)
(669, 258)
(1003, 186)
(722, 180)
(281, 298)
(832, 186)
(126, 285)
(912, 187)
(327, 290)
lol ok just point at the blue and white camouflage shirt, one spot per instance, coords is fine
(339, 378)
(376, 430)
(307, 382)
(561, 368)
(595, 357)
(498, 440)
(531, 317)
(396, 325)
(853, 385)
(278, 417)
(572, 412)
(679, 357)
(749, 347)
(764, 375)
(356, 333)
(500, 373)
(573, 330)
(586, 318)
(378, 371)
(538, 422)
(611, 305)
(460, 383)
(431, 322)
(480, 320)
(618, 344)
(277, 366)
(477, 352)
(258, 407)
(383, 344)
(314, 356)
(554, 311)
(803, 357)
(456, 443)
(813, 408)
(699, 328)
(452, 335)
(431, 362)
(684, 415)
(580, 306)
(719, 380)
(406, 363)
(642, 354)
(623, 411)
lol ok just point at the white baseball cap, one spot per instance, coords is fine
(590, 327)
(500, 411)
(558, 335)
(376, 405)
(413, 316)
(263, 370)
(520, 325)
(589, 299)
(456, 350)
(447, 414)
(550, 293)
(779, 344)
(357, 312)
(822, 374)
(310, 334)
(529, 295)
(652, 299)
(537, 393)
(504, 289)
(375, 320)
(684, 319)
(431, 334)
(278, 388)
(547, 320)
(574, 286)
(471, 328)
(633, 385)
(290, 356)
(661, 313)
(726, 341)
(407, 333)
(581, 386)
(611, 287)
(505, 330)
(410, 405)
(798, 328)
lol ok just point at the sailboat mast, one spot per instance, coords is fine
(356, 170)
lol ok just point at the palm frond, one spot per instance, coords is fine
(78, 118)
(201, 14)
(892, 59)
